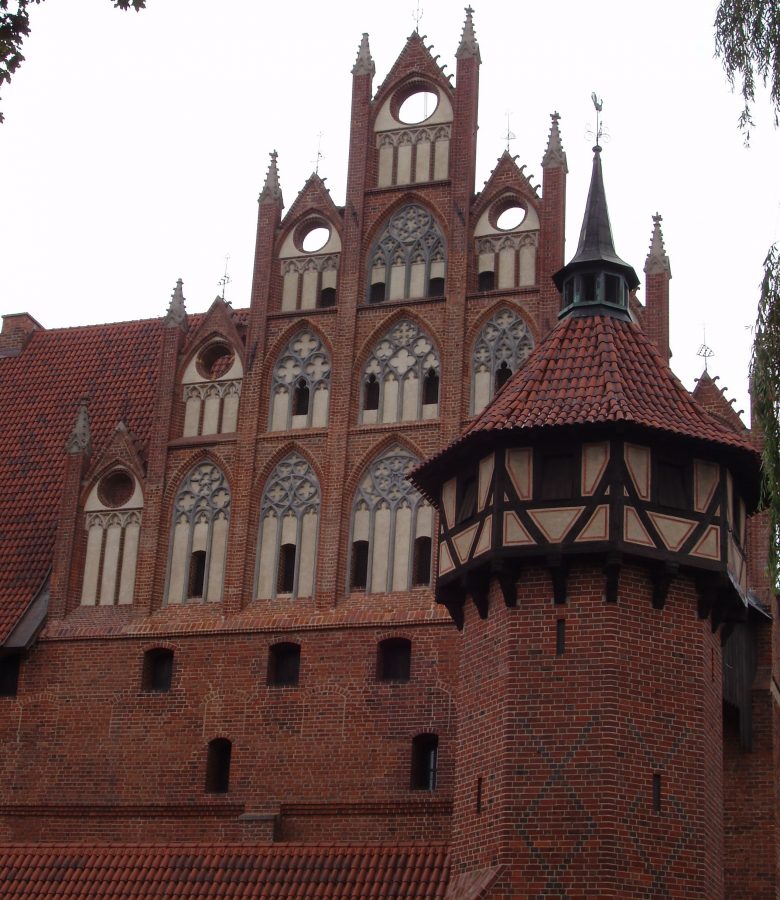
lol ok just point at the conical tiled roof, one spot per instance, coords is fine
(594, 370)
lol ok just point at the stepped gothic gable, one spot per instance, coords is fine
(417, 574)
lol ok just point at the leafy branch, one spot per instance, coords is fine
(765, 387)
(15, 27)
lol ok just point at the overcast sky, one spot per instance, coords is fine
(135, 145)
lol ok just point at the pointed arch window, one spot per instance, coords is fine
(201, 515)
(401, 377)
(301, 384)
(502, 347)
(388, 518)
(113, 524)
(409, 258)
(289, 519)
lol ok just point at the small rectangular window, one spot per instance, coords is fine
(359, 574)
(9, 674)
(218, 766)
(394, 659)
(466, 505)
(671, 484)
(157, 670)
(421, 564)
(557, 480)
(284, 665)
(425, 757)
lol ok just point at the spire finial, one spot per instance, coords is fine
(704, 351)
(225, 280)
(80, 439)
(554, 156)
(468, 42)
(364, 65)
(176, 317)
(271, 192)
(657, 261)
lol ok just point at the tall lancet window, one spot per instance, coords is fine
(112, 518)
(300, 386)
(196, 568)
(409, 258)
(401, 377)
(502, 347)
(289, 516)
(389, 516)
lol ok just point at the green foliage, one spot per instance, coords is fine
(765, 386)
(15, 27)
(747, 39)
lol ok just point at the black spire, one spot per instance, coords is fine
(596, 280)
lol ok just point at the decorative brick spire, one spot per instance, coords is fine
(364, 65)
(176, 317)
(271, 192)
(657, 261)
(468, 41)
(554, 155)
(80, 439)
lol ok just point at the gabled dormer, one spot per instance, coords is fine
(211, 374)
(412, 119)
(310, 248)
(506, 232)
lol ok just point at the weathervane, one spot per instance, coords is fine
(225, 280)
(417, 15)
(704, 351)
(320, 154)
(600, 133)
(509, 135)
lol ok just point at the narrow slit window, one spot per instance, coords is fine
(503, 374)
(467, 500)
(286, 579)
(197, 573)
(560, 637)
(657, 792)
(421, 574)
(218, 766)
(371, 400)
(431, 387)
(425, 758)
(301, 399)
(359, 577)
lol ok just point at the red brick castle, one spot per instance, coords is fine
(422, 576)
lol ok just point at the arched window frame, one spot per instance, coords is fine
(385, 488)
(291, 492)
(403, 355)
(304, 359)
(410, 247)
(505, 337)
(203, 499)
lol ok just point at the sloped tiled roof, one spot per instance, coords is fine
(115, 366)
(290, 871)
(591, 370)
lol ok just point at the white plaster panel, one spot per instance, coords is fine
(529, 223)
(289, 250)
(424, 521)
(381, 551)
(386, 153)
(267, 569)
(422, 166)
(705, 480)
(136, 500)
(211, 414)
(329, 278)
(307, 555)
(403, 534)
(519, 464)
(217, 561)
(487, 262)
(633, 529)
(638, 465)
(430, 410)
(280, 410)
(448, 494)
(515, 532)
(708, 545)
(486, 466)
(193, 376)
(200, 537)
(482, 390)
(485, 537)
(594, 462)
(290, 291)
(445, 560)
(191, 416)
(110, 565)
(362, 518)
(179, 563)
(129, 558)
(555, 524)
(527, 265)
(309, 290)
(441, 157)
(411, 397)
(230, 413)
(438, 269)
(319, 414)
(389, 401)
(397, 282)
(300, 421)
(597, 526)
(674, 531)
(506, 268)
(92, 564)
(417, 280)
(404, 164)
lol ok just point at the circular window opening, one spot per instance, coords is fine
(510, 218)
(315, 239)
(116, 488)
(418, 107)
(214, 360)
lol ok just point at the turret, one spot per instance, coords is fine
(592, 526)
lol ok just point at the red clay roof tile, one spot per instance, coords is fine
(295, 872)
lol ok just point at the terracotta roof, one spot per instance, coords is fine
(591, 370)
(116, 367)
(289, 871)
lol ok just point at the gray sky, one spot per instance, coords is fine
(135, 145)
